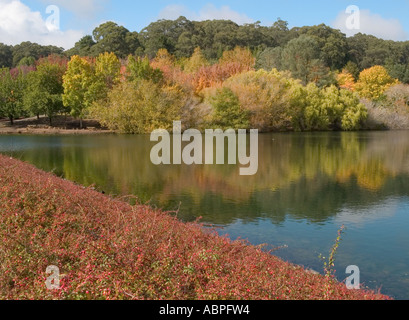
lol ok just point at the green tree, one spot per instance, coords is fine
(280, 32)
(227, 113)
(332, 109)
(6, 56)
(45, 89)
(140, 69)
(173, 35)
(12, 86)
(27, 61)
(110, 37)
(331, 43)
(301, 57)
(254, 36)
(269, 59)
(352, 68)
(398, 70)
(83, 47)
(29, 49)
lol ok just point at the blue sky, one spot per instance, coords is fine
(22, 19)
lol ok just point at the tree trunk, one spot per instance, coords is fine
(80, 123)
(11, 118)
(38, 116)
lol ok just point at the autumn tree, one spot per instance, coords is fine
(88, 81)
(166, 62)
(373, 83)
(195, 62)
(346, 80)
(231, 63)
(264, 95)
(107, 73)
(240, 56)
(140, 107)
(77, 81)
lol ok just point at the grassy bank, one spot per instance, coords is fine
(107, 249)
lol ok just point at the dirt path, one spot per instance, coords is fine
(61, 125)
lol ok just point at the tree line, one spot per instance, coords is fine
(323, 46)
(212, 74)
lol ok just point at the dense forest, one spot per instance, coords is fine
(212, 73)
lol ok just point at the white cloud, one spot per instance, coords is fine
(18, 23)
(208, 12)
(372, 24)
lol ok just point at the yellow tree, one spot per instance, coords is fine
(77, 80)
(196, 61)
(241, 56)
(373, 83)
(108, 69)
(88, 81)
(164, 61)
(264, 95)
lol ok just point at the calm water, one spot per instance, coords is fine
(307, 187)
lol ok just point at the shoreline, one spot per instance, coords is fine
(32, 126)
(108, 249)
(61, 126)
(52, 131)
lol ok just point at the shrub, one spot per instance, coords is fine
(227, 113)
(265, 96)
(141, 107)
(331, 108)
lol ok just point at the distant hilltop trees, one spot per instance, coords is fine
(276, 46)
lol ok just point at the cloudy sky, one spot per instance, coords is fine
(63, 22)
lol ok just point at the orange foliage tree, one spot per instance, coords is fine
(346, 80)
(172, 72)
(231, 63)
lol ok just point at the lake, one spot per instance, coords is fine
(308, 185)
